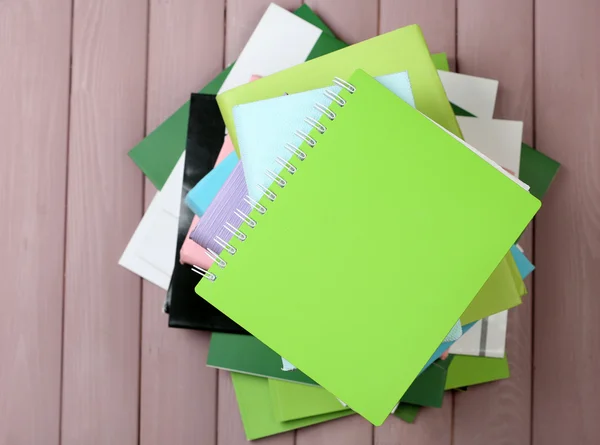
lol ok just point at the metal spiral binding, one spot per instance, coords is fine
(316, 124)
(216, 258)
(204, 273)
(326, 111)
(255, 205)
(295, 151)
(225, 245)
(285, 164)
(241, 215)
(277, 179)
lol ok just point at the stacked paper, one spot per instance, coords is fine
(225, 239)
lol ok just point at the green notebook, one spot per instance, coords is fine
(466, 370)
(246, 354)
(293, 401)
(256, 410)
(401, 50)
(457, 217)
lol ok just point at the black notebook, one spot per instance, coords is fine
(205, 135)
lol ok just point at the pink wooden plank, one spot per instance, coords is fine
(435, 17)
(567, 245)
(242, 17)
(432, 426)
(351, 20)
(437, 20)
(34, 86)
(178, 392)
(352, 430)
(495, 40)
(102, 300)
(231, 430)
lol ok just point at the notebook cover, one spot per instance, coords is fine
(498, 139)
(204, 142)
(192, 253)
(293, 401)
(256, 410)
(468, 371)
(476, 94)
(264, 127)
(407, 412)
(158, 153)
(246, 354)
(378, 56)
(198, 199)
(471, 207)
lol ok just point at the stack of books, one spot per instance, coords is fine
(344, 220)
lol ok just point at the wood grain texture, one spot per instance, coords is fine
(495, 40)
(34, 87)
(178, 392)
(242, 17)
(351, 20)
(352, 430)
(567, 241)
(437, 20)
(432, 426)
(102, 300)
(435, 17)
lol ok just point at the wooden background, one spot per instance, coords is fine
(85, 353)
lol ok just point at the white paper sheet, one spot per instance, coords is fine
(474, 94)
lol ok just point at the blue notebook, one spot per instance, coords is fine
(523, 264)
(199, 198)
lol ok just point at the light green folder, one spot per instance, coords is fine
(297, 401)
(432, 226)
(256, 410)
(467, 370)
(401, 50)
(503, 290)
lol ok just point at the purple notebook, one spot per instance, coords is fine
(228, 206)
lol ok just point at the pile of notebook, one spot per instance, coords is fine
(345, 221)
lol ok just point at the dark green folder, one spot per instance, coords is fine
(245, 354)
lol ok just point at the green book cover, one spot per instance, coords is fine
(378, 56)
(407, 412)
(468, 370)
(470, 206)
(256, 410)
(246, 354)
(293, 401)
